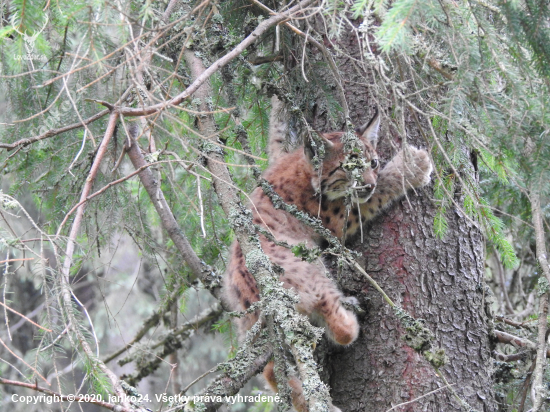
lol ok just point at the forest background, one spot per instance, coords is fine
(111, 257)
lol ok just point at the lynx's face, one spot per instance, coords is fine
(348, 173)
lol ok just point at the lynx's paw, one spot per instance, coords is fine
(423, 166)
(415, 165)
(342, 326)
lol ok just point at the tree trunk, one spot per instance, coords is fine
(440, 281)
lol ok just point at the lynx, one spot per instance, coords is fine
(320, 193)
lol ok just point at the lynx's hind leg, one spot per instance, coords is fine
(342, 326)
(240, 290)
(318, 294)
(296, 392)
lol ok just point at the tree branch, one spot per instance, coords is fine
(276, 301)
(538, 389)
(516, 341)
(199, 269)
(510, 322)
(172, 341)
(509, 358)
(66, 292)
(217, 65)
(53, 132)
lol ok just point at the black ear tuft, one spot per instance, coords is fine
(310, 151)
(370, 130)
(308, 148)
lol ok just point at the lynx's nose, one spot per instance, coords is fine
(364, 191)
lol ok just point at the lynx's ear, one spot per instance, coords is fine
(370, 130)
(310, 151)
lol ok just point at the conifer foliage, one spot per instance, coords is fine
(131, 133)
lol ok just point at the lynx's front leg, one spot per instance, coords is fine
(405, 171)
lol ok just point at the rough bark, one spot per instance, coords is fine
(440, 281)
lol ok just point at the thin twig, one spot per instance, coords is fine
(208, 372)
(24, 317)
(79, 152)
(217, 65)
(15, 260)
(420, 397)
(22, 360)
(53, 132)
(201, 213)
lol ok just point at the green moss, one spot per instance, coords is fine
(437, 357)
(418, 336)
(303, 252)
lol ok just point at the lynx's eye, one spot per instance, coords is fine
(374, 163)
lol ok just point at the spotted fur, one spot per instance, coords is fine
(320, 193)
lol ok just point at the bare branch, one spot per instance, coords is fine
(24, 317)
(509, 358)
(504, 337)
(511, 322)
(198, 268)
(15, 260)
(538, 389)
(217, 65)
(53, 132)
(66, 292)
(420, 397)
(171, 342)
